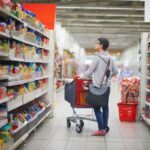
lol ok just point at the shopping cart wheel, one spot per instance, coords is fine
(107, 129)
(81, 123)
(78, 128)
(68, 123)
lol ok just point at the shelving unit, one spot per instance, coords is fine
(4, 100)
(147, 120)
(8, 14)
(145, 78)
(18, 142)
(2, 34)
(59, 81)
(3, 123)
(8, 57)
(147, 103)
(22, 132)
(13, 83)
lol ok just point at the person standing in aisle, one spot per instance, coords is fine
(97, 70)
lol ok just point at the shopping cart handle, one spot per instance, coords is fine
(85, 79)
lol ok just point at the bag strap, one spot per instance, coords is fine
(102, 58)
(105, 72)
(107, 69)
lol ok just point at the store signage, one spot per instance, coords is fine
(46, 13)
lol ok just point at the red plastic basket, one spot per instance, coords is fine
(127, 112)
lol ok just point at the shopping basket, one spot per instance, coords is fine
(75, 94)
(127, 111)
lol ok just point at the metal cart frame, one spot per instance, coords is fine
(75, 118)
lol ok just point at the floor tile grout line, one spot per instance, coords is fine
(105, 142)
(122, 139)
(86, 139)
(53, 135)
(68, 139)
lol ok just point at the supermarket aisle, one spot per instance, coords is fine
(53, 134)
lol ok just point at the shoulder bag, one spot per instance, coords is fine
(98, 96)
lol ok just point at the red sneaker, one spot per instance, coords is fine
(99, 133)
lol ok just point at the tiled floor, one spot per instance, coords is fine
(54, 135)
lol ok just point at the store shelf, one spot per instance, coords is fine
(13, 83)
(16, 59)
(26, 123)
(5, 13)
(24, 41)
(4, 100)
(29, 43)
(2, 34)
(147, 120)
(18, 129)
(3, 123)
(147, 103)
(16, 144)
(7, 57)
(46, 115)
(147, 90)
(37, 30)
(8, 14)
(36, 61)
(4, 54)
(28, 97)
(15, 103)
(10, 58)
(22, 100)
(43, 47)
(21, 133)
(3, 77)
(148, 78)
(48, 105)
(40, 94)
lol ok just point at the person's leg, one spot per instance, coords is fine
(99, 118)
(105, 115)
(106, 111)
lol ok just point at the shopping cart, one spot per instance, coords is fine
(75, 94)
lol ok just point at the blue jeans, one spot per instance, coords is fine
(102, 114)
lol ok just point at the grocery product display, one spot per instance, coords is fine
(58, 69)
(145, 78)
(130, 88)
(24, 73)
(70, 65)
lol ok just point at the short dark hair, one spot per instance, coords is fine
(104, 42)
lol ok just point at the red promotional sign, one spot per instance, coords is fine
(46, 13)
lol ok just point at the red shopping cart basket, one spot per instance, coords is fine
(75, 93)
(127, 112)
